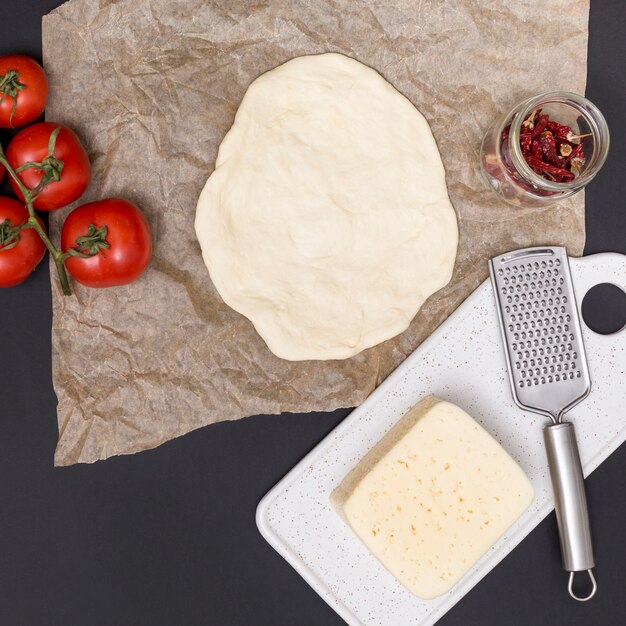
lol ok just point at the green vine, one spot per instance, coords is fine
(51, 167)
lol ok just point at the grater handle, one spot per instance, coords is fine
(570, 501)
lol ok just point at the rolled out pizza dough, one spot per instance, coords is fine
(327, 221)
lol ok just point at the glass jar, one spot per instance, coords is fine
(503, 164)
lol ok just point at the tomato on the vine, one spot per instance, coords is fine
(20, 250)
(67, 172)
(23, 90)
(116, 233)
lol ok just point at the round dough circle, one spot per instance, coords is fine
(327, 221)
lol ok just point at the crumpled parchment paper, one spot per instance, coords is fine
(152, 86)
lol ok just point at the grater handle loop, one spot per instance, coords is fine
(594, 587)
(570, 500)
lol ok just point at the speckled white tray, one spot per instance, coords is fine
(462, 362)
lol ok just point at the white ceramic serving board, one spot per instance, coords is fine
(463, 361)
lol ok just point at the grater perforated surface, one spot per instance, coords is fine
(541, 330)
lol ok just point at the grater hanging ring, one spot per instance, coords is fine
(594, 587)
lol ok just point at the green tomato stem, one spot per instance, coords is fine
(10, 85)
(94, 242)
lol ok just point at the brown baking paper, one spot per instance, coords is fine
(152, 86)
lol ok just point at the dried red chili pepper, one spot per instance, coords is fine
(560, 131)
(553, 170)
(548, 147)
(540, 125)
(525, 140)
(536, 149)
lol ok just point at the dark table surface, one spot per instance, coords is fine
(168, 536)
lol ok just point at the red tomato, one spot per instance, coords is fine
(17, 263)
(128, 234)
(25, 88)
(31, 144)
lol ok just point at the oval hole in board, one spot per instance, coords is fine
(604, 308)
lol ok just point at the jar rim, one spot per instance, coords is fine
(596, 123)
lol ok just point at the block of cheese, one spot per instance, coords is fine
(432, 496)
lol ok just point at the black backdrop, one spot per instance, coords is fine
(168, 536)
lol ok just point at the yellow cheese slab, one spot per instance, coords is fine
(432, 496)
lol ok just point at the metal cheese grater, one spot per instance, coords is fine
(549, 375)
